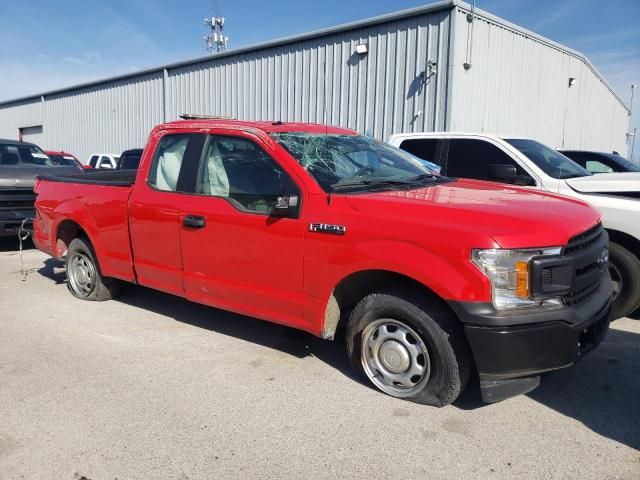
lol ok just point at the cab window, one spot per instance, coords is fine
(238, 170)
(481, 160)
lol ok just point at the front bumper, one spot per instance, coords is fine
(512, 350)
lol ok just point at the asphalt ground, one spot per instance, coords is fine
(153, 386)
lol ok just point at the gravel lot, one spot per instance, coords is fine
(152, 386)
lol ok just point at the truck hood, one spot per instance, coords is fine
(606, 183)
(21, 176)
(512, 217)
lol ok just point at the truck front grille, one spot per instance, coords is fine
(16, 198)
(585, 251)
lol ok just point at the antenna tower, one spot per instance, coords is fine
(215, 40)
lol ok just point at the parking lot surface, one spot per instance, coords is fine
(152, 386)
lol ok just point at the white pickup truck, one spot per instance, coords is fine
(525, 162)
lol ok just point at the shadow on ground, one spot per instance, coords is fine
(601, 391)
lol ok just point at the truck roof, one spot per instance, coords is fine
(8, 141)
(502, 136)
(265, 126)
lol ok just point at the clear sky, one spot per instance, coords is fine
(47, 44)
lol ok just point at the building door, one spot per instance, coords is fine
(32, 134)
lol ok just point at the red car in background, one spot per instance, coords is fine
(63, 158)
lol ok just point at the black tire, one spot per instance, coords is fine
(84, 279)
(449, 358)
(624, 267)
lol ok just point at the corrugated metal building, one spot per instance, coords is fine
(427, 68)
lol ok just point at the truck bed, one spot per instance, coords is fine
(98, 203)
(112, 178)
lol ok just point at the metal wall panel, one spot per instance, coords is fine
(519, 84)
(19, 115)
(109, 118)
(323, 78)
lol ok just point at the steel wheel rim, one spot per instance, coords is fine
(82, 274)
(395, 358)
(616, 278)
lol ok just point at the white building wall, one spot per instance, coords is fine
(518, 83)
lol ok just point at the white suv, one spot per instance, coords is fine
(525, 162)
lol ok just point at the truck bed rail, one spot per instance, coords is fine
(114, 178)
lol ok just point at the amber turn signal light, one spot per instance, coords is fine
(522, 279)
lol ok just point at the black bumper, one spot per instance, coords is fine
(511, 351)
(11, 220)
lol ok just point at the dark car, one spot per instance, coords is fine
(20, 164)
(600, 162)
(130, 159)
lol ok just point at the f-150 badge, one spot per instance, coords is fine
(327, 228)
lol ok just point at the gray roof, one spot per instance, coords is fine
(9, 141)
(410, 12)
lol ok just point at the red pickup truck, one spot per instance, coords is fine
(318, 227)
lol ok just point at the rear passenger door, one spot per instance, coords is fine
(236, 255)
(482, 160)
(155, 205)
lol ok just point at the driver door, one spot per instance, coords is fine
(236, 255)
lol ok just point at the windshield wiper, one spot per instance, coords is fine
(373, 183)
(430, 178)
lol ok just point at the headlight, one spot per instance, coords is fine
(509, 272)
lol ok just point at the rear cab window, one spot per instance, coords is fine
(429, 150)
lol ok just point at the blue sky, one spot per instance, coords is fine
(47, 44)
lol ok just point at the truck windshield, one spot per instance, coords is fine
(355, 162)
(15, 154)
(550, 161)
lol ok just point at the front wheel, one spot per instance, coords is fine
(84, 279)
(624, 268)
(409, 346)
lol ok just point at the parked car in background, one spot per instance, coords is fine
(525, 162)
(600, 162)
(130, 159)
(63, 158)
(309, 226)
(20, 164)
(103, 160)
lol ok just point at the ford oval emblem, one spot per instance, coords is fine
(604, 259)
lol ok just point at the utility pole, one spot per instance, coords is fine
(631, 137)
(215, 41)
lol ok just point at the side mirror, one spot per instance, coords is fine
(286, 206)
(502, 173)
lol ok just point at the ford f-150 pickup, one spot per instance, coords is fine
(318, 227)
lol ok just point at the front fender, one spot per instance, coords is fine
(451, 277)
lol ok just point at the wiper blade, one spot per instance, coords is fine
(372, 183)
(430, 177)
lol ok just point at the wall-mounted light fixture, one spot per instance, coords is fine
(572, 81)
(362, 48)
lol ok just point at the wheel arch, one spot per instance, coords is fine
(355, 286)
(625, 240)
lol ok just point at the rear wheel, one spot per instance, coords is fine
(409, 346)
(624, 268)
(84, 279)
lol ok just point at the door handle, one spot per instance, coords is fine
(194, 221)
